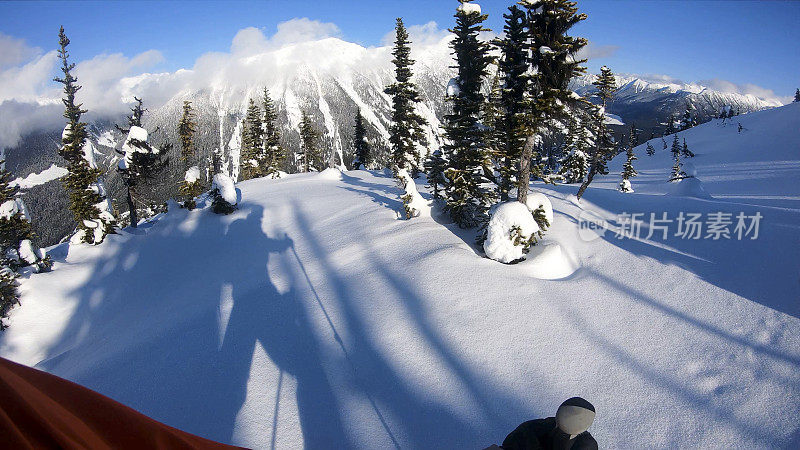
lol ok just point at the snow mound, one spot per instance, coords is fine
(688, 187)
(225, 186)
(538, 200)
(625, 186)
(8, 209)
(510, 227)
(192, 174)
(549, 262)
(29, 252)
(415, 205)
(469, 8)
(330, 174)
(138, 133)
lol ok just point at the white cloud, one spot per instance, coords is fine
(303, 30)
(428, 34)
(14, 52)
(594, 51)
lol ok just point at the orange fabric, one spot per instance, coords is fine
(39, 410)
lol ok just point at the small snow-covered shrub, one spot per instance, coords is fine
(511, 231)
(541, 208)
(9, 296)
(414, 204)
(223, 193)
(625, 186)
(190, 187)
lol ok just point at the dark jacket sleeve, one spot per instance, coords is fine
(584, 441)
(531, 435)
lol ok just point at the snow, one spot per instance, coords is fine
(226, 187)
(537, 200)
(28, 252)
(625, 186)
(499, 245)
(417, 206)
(613, 119)
(469, 8)
(138, 133)
(8, 209)
(313, 317)
(453, 88)
(53, 172)
(192, 174)
(330, 173)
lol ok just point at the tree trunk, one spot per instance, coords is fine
(525, 169)
(132, 209)
(586, 182)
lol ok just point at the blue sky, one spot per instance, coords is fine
(741, 42)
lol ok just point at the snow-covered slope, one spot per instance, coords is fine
(314, 315)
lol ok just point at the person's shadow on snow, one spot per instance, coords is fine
(261, 315)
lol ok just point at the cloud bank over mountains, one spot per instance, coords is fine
(30, 100)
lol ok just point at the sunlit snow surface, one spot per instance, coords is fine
(312, 316)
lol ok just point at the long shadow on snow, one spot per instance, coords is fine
(175, 358)
(425, 424)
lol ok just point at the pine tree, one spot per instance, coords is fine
(796, 95)
(650, 150)
(574, 164)
(16, 246)
(676, 146)
(435, 167)
(664, 143)
(628, 171)
(363, 152)
(677, 168)
(552, 56)
(311, 157)
(405, 133)
(604, 149)
(688, 118)
(186, 129)
(685, 150)
(512, 66)
(88, 203)
(252, 143)
(190, 187)
(467, 198)
(273, 152)
(140, 162)
(670, 125)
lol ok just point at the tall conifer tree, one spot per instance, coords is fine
(467, 197)
(405, 134)
(604, 149)
(363, 156)
(252, 143)
(311, 157)
(88, 202)
(552, 56)
(273, 152)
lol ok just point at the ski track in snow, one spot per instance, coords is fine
(313, 317)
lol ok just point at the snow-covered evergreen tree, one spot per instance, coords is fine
(671, 125)
(603, 148)
(363, 152)
(252, 148)
(273, 155)
(552, 65)
(435, 166)
(190, 187)
(139, 161)
(628, 171)
(186, 129)
(16, 234)
(512, 66)
(574, 164)
(685, 152)
(688, 118)
(223, 194)
(406, 133)
(796, 95)
(650, 150)
(310, 157)
(677, 173)
(676, 146)
(16, 244)
(88, 202)
(467, 196)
